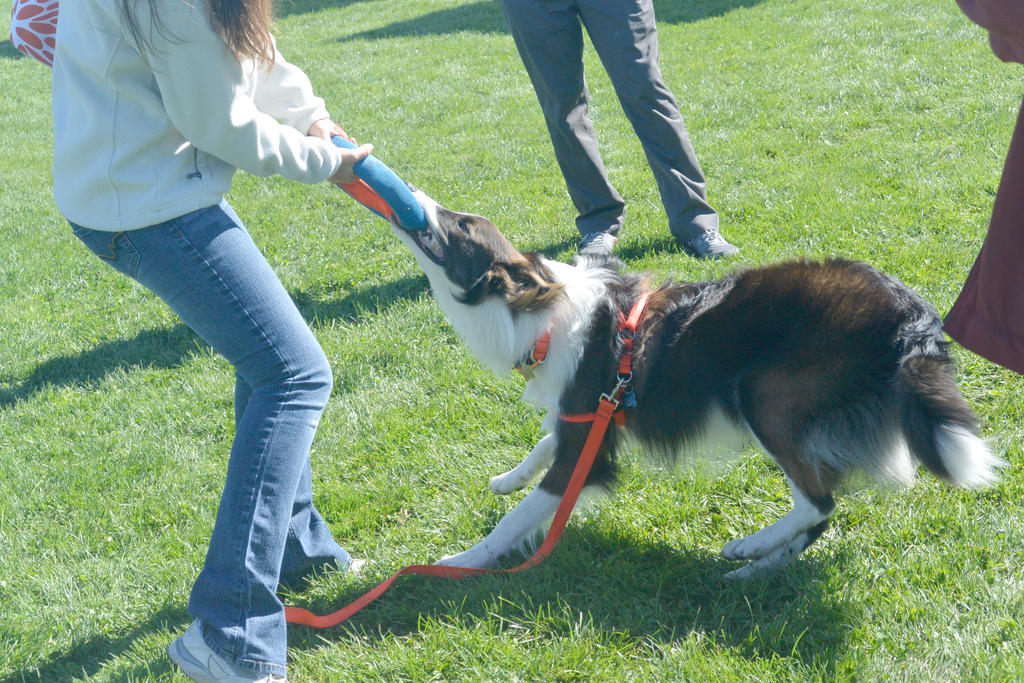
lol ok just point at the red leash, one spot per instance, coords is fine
(297, 615)
(606, 409)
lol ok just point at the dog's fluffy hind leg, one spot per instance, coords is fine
(777, 544)
(781, 555)
(540, 458)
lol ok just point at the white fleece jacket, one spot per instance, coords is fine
(143, 138)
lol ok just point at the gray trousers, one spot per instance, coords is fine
(549, 37)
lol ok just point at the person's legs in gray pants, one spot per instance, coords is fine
(626, 39)
(549, 38)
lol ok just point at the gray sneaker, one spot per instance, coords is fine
(597, 244)
(710, 245)
(197, 661)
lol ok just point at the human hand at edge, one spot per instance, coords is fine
(325, 129)
(349, 157)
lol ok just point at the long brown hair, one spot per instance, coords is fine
(243, 24)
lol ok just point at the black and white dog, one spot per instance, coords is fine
(834, 368)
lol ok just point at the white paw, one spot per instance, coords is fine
(755, 545)
(474, 558)
(504, 484)
(779, 558)
(793, 526)
(762, 566)
(776, 557)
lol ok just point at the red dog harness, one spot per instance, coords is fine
(620, 395)
(607, 408)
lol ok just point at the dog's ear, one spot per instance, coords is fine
(533, 285)
(526, 284)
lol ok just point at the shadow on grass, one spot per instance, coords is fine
(628, 254)
(557, 251)
(477, 17)
(649, 591)
(487, 17)
(170, 347)
(153, 348)
(289, 7)
(638, 250)
(8, 51)
(362, 302)
(676, 12)
(86, 658)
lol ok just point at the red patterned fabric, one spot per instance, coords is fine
(34, 28)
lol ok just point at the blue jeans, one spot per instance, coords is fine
(205, 266)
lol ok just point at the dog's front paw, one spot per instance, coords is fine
(476, 557)
(504, 484)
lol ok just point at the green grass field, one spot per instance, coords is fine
(863, 129)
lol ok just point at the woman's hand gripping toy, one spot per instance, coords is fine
(380, 190)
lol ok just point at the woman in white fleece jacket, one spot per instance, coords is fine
(156, 103)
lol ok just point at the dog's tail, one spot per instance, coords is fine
(940, 428)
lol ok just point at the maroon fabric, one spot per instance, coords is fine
(988, 316)
(1004, 20)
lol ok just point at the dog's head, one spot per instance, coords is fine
(470, 257)
(493, 295)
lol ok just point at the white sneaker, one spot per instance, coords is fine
(197, 661)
